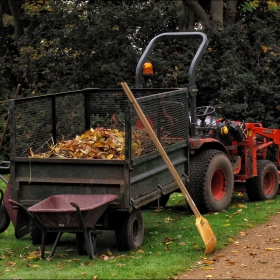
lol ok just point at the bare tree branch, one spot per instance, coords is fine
(198, 11)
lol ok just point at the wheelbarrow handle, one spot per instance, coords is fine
(14, 202)
(29, 215)
(80, 217)
(75, 205)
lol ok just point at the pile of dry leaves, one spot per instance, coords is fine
(99, 143)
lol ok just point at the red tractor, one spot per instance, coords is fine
(223, 154)
(228, 154)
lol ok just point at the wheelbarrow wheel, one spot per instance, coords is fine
(81, 244)
(130, 230)
(4, 218)
(36, 235)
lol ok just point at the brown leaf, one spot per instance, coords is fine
(140, 251)
(10, 264)
(269, 249)
(221, 256)
(121, 264)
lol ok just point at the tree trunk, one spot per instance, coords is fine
(198, 11)
(231, 11)
(216, 12)
(185, 19)
(16, 13)
(190, 20)
(3, 43)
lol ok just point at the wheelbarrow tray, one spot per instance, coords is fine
(56, 211)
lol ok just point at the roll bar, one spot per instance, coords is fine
(192, 86)
(173, 35)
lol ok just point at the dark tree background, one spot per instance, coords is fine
(54, 45)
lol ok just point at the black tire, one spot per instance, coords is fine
(211, 180)
(36, 235)
(265, 185)
(81, 244)
(130, 230)
(4, 218)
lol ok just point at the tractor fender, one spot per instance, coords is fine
(198, 144)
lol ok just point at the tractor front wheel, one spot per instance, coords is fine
(211, 180)
(265, 185)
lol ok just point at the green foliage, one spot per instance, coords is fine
(240, 70)
(94, 45)
(250, 6)
(263, 5)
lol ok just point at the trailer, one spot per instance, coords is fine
(137, 178)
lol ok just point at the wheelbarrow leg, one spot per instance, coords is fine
(55, 244)
(43, 244)
(87, 234)
(91, 234)
(88, 242)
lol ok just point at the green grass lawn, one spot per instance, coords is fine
(171, 245)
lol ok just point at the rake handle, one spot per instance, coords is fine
(160, 149)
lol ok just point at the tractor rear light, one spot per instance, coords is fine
(148, 69)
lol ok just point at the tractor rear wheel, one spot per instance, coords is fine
(130, 230)
(265, 185)
(211, 180)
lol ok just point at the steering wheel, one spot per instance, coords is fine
(208, 110)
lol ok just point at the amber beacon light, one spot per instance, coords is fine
(148, 69)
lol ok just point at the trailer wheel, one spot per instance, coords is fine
(81, 244)
(36, 235)
(211, 180)
(130, 230)
(4, 218)
(265, 185)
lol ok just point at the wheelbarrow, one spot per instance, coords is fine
(73, 213)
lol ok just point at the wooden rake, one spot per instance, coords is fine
(202, 224)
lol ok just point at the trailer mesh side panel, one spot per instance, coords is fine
(33, 119)
(70, 116)
(39, 122)
(167, 114)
